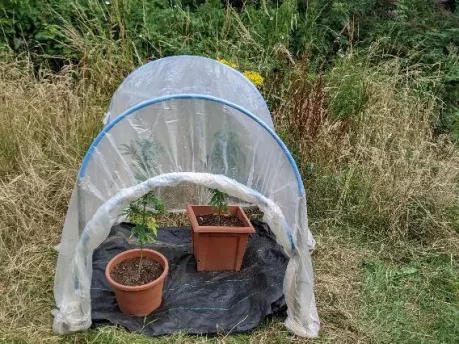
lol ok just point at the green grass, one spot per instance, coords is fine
(415, 302)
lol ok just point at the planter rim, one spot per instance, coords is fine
(148, 285)
(248, 228)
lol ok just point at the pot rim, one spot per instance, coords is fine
(246, 229)
(148, 285)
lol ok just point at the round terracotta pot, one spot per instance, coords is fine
(143, 299)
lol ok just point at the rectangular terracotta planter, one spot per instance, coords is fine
(218, 248)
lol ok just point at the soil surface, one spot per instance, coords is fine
(223, 220)
(127, 272)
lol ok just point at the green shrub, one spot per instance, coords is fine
(347, 89)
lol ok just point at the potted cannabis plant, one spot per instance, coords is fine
(219, 233)
(137, 276)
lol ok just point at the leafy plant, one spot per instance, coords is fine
(219, 202)
(143, 153)
(143, 214)
(226, 143)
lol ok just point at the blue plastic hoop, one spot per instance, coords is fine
(137, 107)
(242, 76)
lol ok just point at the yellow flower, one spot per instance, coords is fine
(228, 63)
(254, 77)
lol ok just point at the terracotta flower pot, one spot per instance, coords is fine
(143, 299)
(218, 248)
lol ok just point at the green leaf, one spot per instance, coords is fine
(146, 226)
(219, 201)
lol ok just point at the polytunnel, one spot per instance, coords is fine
(179, 125)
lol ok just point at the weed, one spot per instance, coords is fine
(219, 202)
(145, 220)
(307, 112)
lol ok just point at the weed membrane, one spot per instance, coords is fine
(197, 303)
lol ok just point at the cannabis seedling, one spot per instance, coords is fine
(143, 213)
(219, 202)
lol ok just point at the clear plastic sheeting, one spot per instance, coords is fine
(74, 279)
(187, 75)
(181, 145)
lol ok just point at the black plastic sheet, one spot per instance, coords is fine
(197, 302)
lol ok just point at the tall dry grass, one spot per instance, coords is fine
(406, 180)
(46, 124)
(379, 171)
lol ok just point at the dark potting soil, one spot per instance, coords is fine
(223, 220)
(127, 272)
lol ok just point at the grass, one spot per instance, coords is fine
(412, 301)
(382, 181)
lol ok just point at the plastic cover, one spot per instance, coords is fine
(187, 75)
(180, 145)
